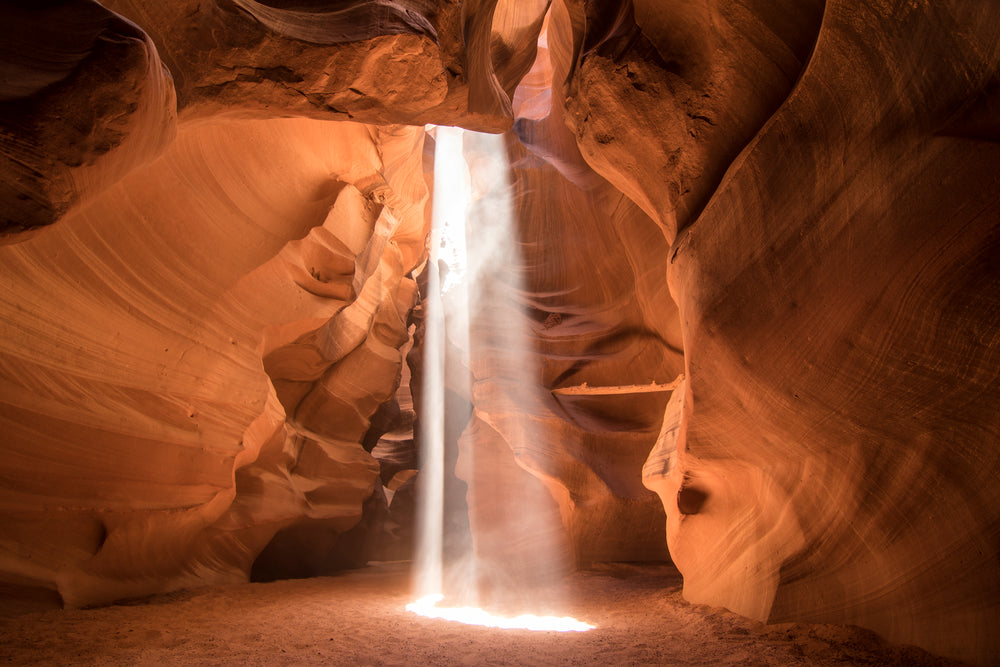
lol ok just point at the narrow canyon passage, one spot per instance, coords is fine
(719, 295)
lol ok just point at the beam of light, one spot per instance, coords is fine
(427, 607)
(472, 282)
(448, 219)
(430, 518)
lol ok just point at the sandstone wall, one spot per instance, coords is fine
(832, 180)
(792, 204)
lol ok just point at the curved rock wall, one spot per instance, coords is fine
(145, 447)
(587, 425)
(199, 333)
(84, 99)
(695, 81)
(832, 455)
(600, 332)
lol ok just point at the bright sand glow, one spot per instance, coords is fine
(482, 270)
(427, 606)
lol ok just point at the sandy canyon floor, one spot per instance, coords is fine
(358, 618)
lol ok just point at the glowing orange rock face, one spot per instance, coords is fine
(135, 368)
(192, 354)
(833, 455)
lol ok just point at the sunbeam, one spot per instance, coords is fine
(475, 274)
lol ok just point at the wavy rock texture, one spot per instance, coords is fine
(585, 330)
(832, 455)
(409, 61)
(196, 359)
(84, 99)
(695, 80)
(145, 446)
(591, 304)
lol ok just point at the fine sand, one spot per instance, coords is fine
(358, 618)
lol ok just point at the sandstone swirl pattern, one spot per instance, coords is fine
(214, 209)
(836, 439)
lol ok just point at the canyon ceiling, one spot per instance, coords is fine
(214, 219)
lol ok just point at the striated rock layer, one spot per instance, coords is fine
(84, 99)
(792, 205)
(583, 428)
(833, 453)
(145, 446)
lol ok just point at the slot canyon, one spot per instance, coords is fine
(756, 418)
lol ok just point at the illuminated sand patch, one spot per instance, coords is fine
(427, 607)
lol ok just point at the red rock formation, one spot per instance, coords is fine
(132, 347)
(833, 456)
(84, 99)
(198, 335)
(596, 315)
(586, 293)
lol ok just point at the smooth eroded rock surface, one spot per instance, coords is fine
(145, 338)
(760, 277)
(833, 456)
(84, 99)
